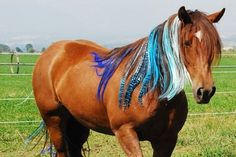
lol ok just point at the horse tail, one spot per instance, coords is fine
(38, 134)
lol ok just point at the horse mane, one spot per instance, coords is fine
(155, 61)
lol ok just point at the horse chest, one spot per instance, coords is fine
(167, 119)
(154, 126)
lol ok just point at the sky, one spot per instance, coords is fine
(104, 21)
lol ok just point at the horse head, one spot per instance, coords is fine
(201, 48)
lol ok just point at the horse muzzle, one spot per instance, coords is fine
(203, 95)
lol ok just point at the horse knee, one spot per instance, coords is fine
(129, 141)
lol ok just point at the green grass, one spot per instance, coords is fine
(207, 136)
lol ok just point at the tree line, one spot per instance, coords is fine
(28, 48)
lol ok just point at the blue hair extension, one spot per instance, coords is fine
(100, 63)
(43, 131)
(146, 78)
(127, 72)
(49, 150)
(176, 68)
(109, 65)
(132, 84)
(121, 91)
(167, 49)
(134, 79)
(33, 135)
(153, 67)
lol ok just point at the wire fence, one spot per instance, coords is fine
(30, 98)
(31, 64)
(20, 54)
(17, 64)
(189, 115)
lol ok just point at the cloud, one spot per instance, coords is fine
(25, 37)
(22, 40)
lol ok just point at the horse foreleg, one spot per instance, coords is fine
(129, 141)
(164, 147)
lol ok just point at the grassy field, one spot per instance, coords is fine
(206, 135)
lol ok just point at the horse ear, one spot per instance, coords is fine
(215, 17)
(184, 16)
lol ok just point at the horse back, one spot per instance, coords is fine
(63, 55)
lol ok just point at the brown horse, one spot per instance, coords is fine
(134, 92)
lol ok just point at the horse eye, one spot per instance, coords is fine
(187, 43)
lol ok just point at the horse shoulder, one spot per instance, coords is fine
(136, 115)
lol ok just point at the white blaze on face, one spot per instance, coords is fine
(199, 35)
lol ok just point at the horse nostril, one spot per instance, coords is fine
(213, 90)
(200, 91)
